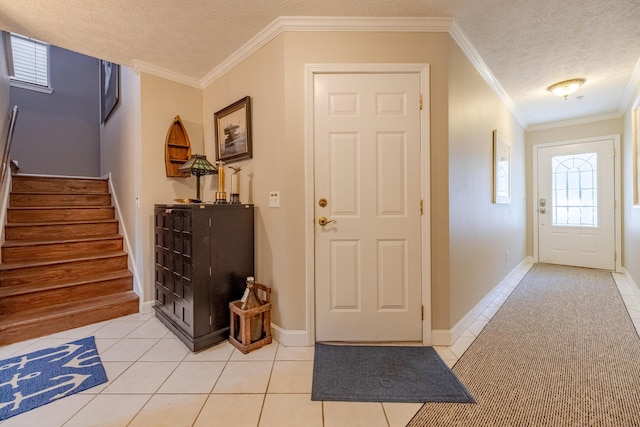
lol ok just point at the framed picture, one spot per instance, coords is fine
(635, 131)
(233, 131)
(501, 169)
(109, 88)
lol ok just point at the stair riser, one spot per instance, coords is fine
(54, 200)
(60, 250)
(57, 215)
(14, 304)
(59, 185)
(57, 232)
(73, 269)
(38, 328)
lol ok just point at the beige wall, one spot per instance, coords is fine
(161, 101)
(631, 213)
(120, 156)
(262, 77)
(132, 151)
(274, 77)
(481, 232)
(557, 134)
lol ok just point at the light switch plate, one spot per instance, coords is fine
(274, 199)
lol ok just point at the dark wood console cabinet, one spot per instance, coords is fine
(203, 255)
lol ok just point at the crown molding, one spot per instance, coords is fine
(144, 67)
(630, 93)
(463, 41)
(294, 23)
(574, 122)
(355, 24)
(313, 23)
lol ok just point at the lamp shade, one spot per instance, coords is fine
(198, 165)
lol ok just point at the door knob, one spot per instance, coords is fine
(324, 221)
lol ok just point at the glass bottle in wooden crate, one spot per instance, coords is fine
(249, 301)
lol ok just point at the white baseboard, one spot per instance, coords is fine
(290, 338)
(146, 306)
(448, 337)
(137, 283)
(632, 284)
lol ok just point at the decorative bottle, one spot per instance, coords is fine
(249, 301)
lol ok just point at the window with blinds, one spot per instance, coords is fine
(30, 61)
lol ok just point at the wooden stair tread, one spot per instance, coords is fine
(49, 207)
(60, 193)
(56, 223)
(52, 313)
(35, 242)
(16, 265)
(7, 291)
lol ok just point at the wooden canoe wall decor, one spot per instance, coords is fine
(177, 149)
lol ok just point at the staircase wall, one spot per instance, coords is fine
(51, 126)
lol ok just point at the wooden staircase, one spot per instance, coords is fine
(63, 264)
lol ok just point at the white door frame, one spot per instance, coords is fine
(616, 184)
(310, 71)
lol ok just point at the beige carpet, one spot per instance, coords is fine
(562, 351)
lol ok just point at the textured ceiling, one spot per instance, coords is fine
(527, 45)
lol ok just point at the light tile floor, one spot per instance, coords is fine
(154, 380)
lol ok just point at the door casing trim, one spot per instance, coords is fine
(616, 183)
(330, 68)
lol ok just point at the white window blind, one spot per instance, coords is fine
(30, 60)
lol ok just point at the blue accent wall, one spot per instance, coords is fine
(59, 133)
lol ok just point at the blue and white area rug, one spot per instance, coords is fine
(44, 376)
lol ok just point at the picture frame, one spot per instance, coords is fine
(232, 129)
(501, 168)
(109, 88)
(635, 131)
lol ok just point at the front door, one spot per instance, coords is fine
(576, 204)
(367, 157)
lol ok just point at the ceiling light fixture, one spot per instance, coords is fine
(566, 87)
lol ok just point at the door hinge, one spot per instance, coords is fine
(210, 320)
(615, 204)
(209, 271)
(421, 207)
(421, 101)
(422, 312)
(614, 152)
(209, 222)
(615, 256)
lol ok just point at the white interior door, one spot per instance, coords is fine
(367, 186)
(576, 204)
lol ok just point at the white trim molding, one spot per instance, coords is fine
(574, 122)
(294, 23)
(319, 23)
(144, 67)
(350, 24)
(496, 296)
(291, 338)
(470, 51)
(631, 90)
(632, 284)
(137, 285)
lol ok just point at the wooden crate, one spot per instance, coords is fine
(242, 319)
